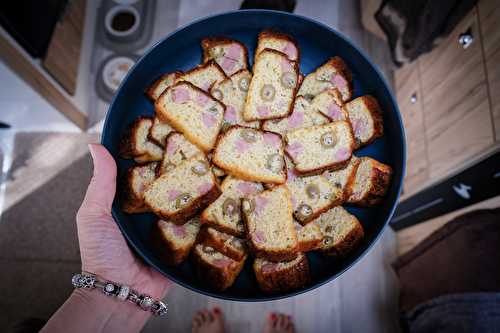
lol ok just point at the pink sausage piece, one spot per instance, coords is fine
(209, 119)
(179, 230)
(204, 188)
(342, 154)
(339, 81)
(173, 194)
(230, 114)
(263, 111)
(334, 112)
(180, 95)
(294, 149)
(272, 140)
(201, 99)
(246, 188)
(290, 50)
(241, 145)
(296, 120)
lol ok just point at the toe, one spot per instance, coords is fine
(217, 312)
(281, 321)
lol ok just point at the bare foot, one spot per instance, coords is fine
(206, 321)
(279, 323)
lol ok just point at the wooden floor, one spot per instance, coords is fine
(364, 299)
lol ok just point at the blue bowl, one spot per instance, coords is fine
(181, 50)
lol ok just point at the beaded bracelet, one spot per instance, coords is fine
(122, 292)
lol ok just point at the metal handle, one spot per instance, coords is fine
(413, 98)
(465, 39)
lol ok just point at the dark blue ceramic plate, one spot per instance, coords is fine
(181, 50)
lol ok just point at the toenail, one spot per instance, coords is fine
(217, 310)
(273, 316)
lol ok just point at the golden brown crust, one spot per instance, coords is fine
(127, 145)
(209, 42)
(350, 180)
(378, 124)
(270, 33)
(131, 203)
(218, 242)
(202, 67)
(150, 90)
(381, 177)
(222, 228)
(275, 281)
(182, 216)
(309, 245)
(166, 250)
(314, 215)
(218, 278)
(348, 244)
(341, 67)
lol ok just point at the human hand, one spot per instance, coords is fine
(103, 249)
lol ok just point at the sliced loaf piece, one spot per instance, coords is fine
(134, 183)
(280, 277)
(371, 182)
(214, 268)
(302, 116)
(309, 236)
(366, 119)
(178, 149)
(310, 195)
(319, 148)
(163, 82)
(135, 143)
(192, 112)
(233, 247)
(180, 194)
(159, 131)
(273, 87)
(343, 178)
(224, 213)
(230, 54)
(278, 41)
(174, 242)
(342, 232)
(251, 154)
(269, 223)
(329, 103)
(203, 76)
(332, 74)
(233, 92)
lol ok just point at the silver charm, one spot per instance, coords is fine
(123, 293)
(146, 302)
(159, 308)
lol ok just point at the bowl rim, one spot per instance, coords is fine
(369, 247)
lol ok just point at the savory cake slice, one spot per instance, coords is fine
(192, 112)
(224, 213)
(278, 41)
(135, 143)
(342, 232)
(269, 223)
(370, 183)
(133, 185)
(279, 277)
(366, 119)
(159, 131)
(309, 236)
(332, 74)
(174, 242)
(233, 92)
(177, 149)
(319, 148)
(233, 247)
(163, 82)
(343, 178)
(214, 268)
(251, 154)
(203, 76)
(181, 193)
(302, 116)
(272, 88)
(310, 195)
(231, 55)
(329, 103)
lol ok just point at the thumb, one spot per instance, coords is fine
(102, 187)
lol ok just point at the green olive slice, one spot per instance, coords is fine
(182, 200)
(249, 135)
(208, 249)
(309, 97)
(244, 83)
(247, 205)
(267, 92)
(213, 109)
(304, 211)
(217, 52)
(328, 229)
(217, 94)
(229, 207)
(288, 80)
(200, 168)
(312, 191)
(327, 240)
(327, 140)
(275, 162)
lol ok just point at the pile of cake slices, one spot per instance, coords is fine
(254, 164)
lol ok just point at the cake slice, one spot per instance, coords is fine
(135, 143)
(233, 247)
(174, 242)
(343, 178)
(319, 148)
(224, 213)
(203, 76)
(329, 103)
(272, 90)
(233, 92)
(310, 195)
(134, 183)
(231, 55)
(269, 223)
(251, 154)
(309, 236)
(159, 131)
(280, 277)
(302, 116)
(370, 183)
(180, 194)
(215, 269)
(192, 112)
(366, 119)
(342, 232)
(278, 41)
(332, 74)
(177, 149)
(163, 82)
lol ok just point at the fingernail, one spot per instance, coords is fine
(217, 310)
(273, 316)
